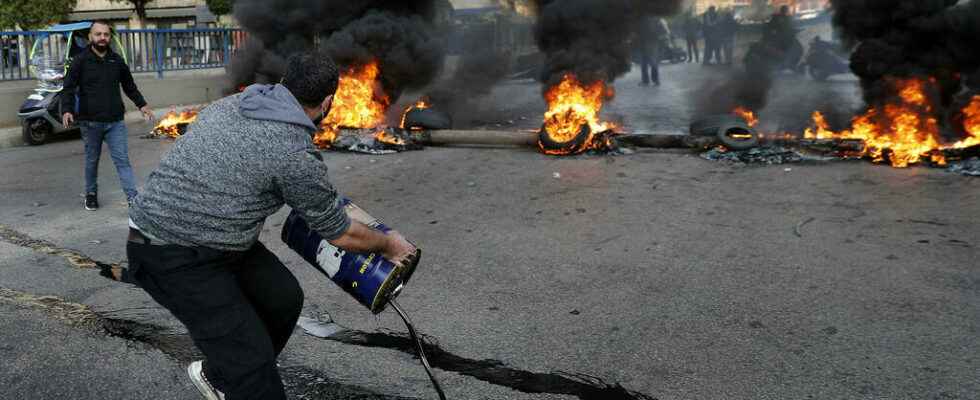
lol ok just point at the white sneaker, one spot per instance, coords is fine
(196, 372)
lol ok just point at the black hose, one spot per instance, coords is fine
(418, 348)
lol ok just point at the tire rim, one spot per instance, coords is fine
(39, 131)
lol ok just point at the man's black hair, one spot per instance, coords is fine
(106, 23)
(311, 78)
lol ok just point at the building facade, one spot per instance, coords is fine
(796, 6)
(160, 14)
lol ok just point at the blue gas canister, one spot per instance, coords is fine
(371, 279)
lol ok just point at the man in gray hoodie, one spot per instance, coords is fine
(193, 243)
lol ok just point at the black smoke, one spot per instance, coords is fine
(747, 88)
(898, 39)
(592, 38)
(402, 35)
(410, 53)
(460, 94)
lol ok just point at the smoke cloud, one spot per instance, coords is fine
(475, 76)
(910, 38)
(591, 38)
(747, 88)
(401, 35)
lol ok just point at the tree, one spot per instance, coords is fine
(33, 14)
(139, 6)
(220, 7)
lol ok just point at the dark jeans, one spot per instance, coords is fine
(693, 50)
(728, 49)
(650, 65)
(115, 135)
(239, 307)
(712, 50)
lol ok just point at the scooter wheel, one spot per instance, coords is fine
(36, 132)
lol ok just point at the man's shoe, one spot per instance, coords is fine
(196, 372)
(91, 202)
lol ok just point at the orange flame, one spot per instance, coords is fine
(971, 124)
(572, 104)
(170, 123)
(421, 104)
(912, 91)
(384, 136)
(902, 131)
(360, 102)
(750, 119)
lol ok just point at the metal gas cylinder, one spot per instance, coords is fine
(371, 279)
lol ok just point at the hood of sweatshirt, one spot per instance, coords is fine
(273, 103)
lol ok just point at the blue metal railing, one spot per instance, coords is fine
(14, 54)
(146, 50)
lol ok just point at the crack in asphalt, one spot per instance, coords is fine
(302, 382)
(74, 257)
(583, 386)
(305, 381)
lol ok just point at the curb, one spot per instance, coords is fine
(13, 136)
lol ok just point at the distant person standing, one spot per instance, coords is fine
(4, 49)
(692, 31)
(94, 77)
(10, 51)
(780, 29)
(650, 38)
(729, 31)
(780, 33)
(710, 27)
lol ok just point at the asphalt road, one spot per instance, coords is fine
(660, 272)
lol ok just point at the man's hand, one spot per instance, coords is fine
(360, 238)
(398, 250)
(67, 119)
(147, 112)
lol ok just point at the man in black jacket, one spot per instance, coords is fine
(94, 78)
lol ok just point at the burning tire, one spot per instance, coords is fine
(728, 130)
(738, 137)
(426, 118)
(573, 146)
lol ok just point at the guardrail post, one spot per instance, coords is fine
(158, 51)
(225, 46)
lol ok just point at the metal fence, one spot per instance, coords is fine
(146, 50)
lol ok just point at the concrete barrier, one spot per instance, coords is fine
(176, 88)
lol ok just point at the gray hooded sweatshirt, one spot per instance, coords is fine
(244, 157)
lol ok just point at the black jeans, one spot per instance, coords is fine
(239, 307)
(650, 64)
(693, 51)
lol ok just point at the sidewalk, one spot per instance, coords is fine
(13, 136)
(176, 87)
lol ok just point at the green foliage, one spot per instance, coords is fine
(33, 14)
(220, 7)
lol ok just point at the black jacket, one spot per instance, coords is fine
(96, 80)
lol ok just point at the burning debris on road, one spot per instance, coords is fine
(769, 155)
(571, 124)
(969, 167)
(905, 131)
(360, 103)
(174, 124)
(383, 140)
